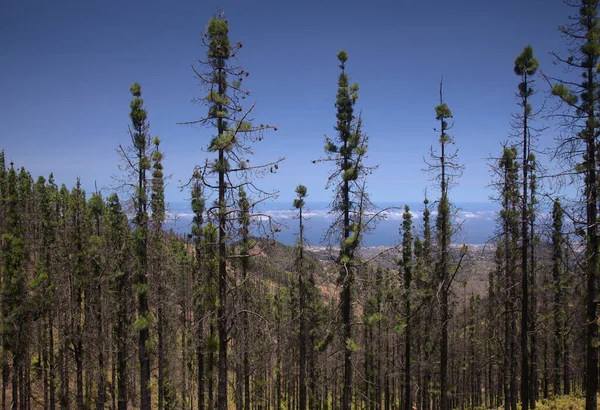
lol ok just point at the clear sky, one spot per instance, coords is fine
(66, 67)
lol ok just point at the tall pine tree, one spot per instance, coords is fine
(222, 78)
(583, 99)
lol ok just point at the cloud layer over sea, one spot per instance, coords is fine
(476, 222)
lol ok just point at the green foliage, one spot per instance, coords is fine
(96, 205)
(157, 199)
(301, 194)
(561, 91)
(143, 322)
(373, 319)
(442, 111)
(351, 174)
(330, 147)
(219, 48)
(135, 90)
(526, 63)
(351, 345)
(401, 326)
(322, 345)
(198, 207)
(141, 289)
(244, 126)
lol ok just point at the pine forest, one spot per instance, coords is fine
(104, 306)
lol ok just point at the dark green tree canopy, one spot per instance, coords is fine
(526, 63)
(301, 194)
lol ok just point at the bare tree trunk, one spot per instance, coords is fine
(52, 374)
(211, 366)
(199, 358)
(78, 350)
(222, 321)
(101, 399)
(15, 382)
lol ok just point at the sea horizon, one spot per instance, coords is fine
(474, 222)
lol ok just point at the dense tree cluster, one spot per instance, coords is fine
(102, 307)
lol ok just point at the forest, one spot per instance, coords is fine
(103, 306)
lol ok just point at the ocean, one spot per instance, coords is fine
(475, 223)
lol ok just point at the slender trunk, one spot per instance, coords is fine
(557, 345)
(52, 375)
(246, 373)
(64, 368)
(367, 369)
(592, 242)
(211, 367)
(513, 360)
(121, 336)
(200, 359)
(407, 340)
(101, 399)
(278, 387)
(427, 370)
(378, 368)
(15, 382)
(303, 333)
(5, 376)
(113, 390)
(43, 360)
(566, 374)
(534, 379)
(184, 392)
(222, 308)
(246, 336)
(346, 296)
(78, 350)
(27, 380)
(506, 362)
(161, 349)
(545, 375)
(239, 388)
(525, 370)
(387, 393)
(304, 338)
(444, 404)
(142, 280)
(144, 357)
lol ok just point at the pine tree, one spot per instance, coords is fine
(525, 66)
(407, 265)
(351, 203)
(222, 80)
(140, 163)
(300, 266)
(157, 206)
(583, 34)
(445, 164)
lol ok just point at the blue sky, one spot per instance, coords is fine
(67, 66)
